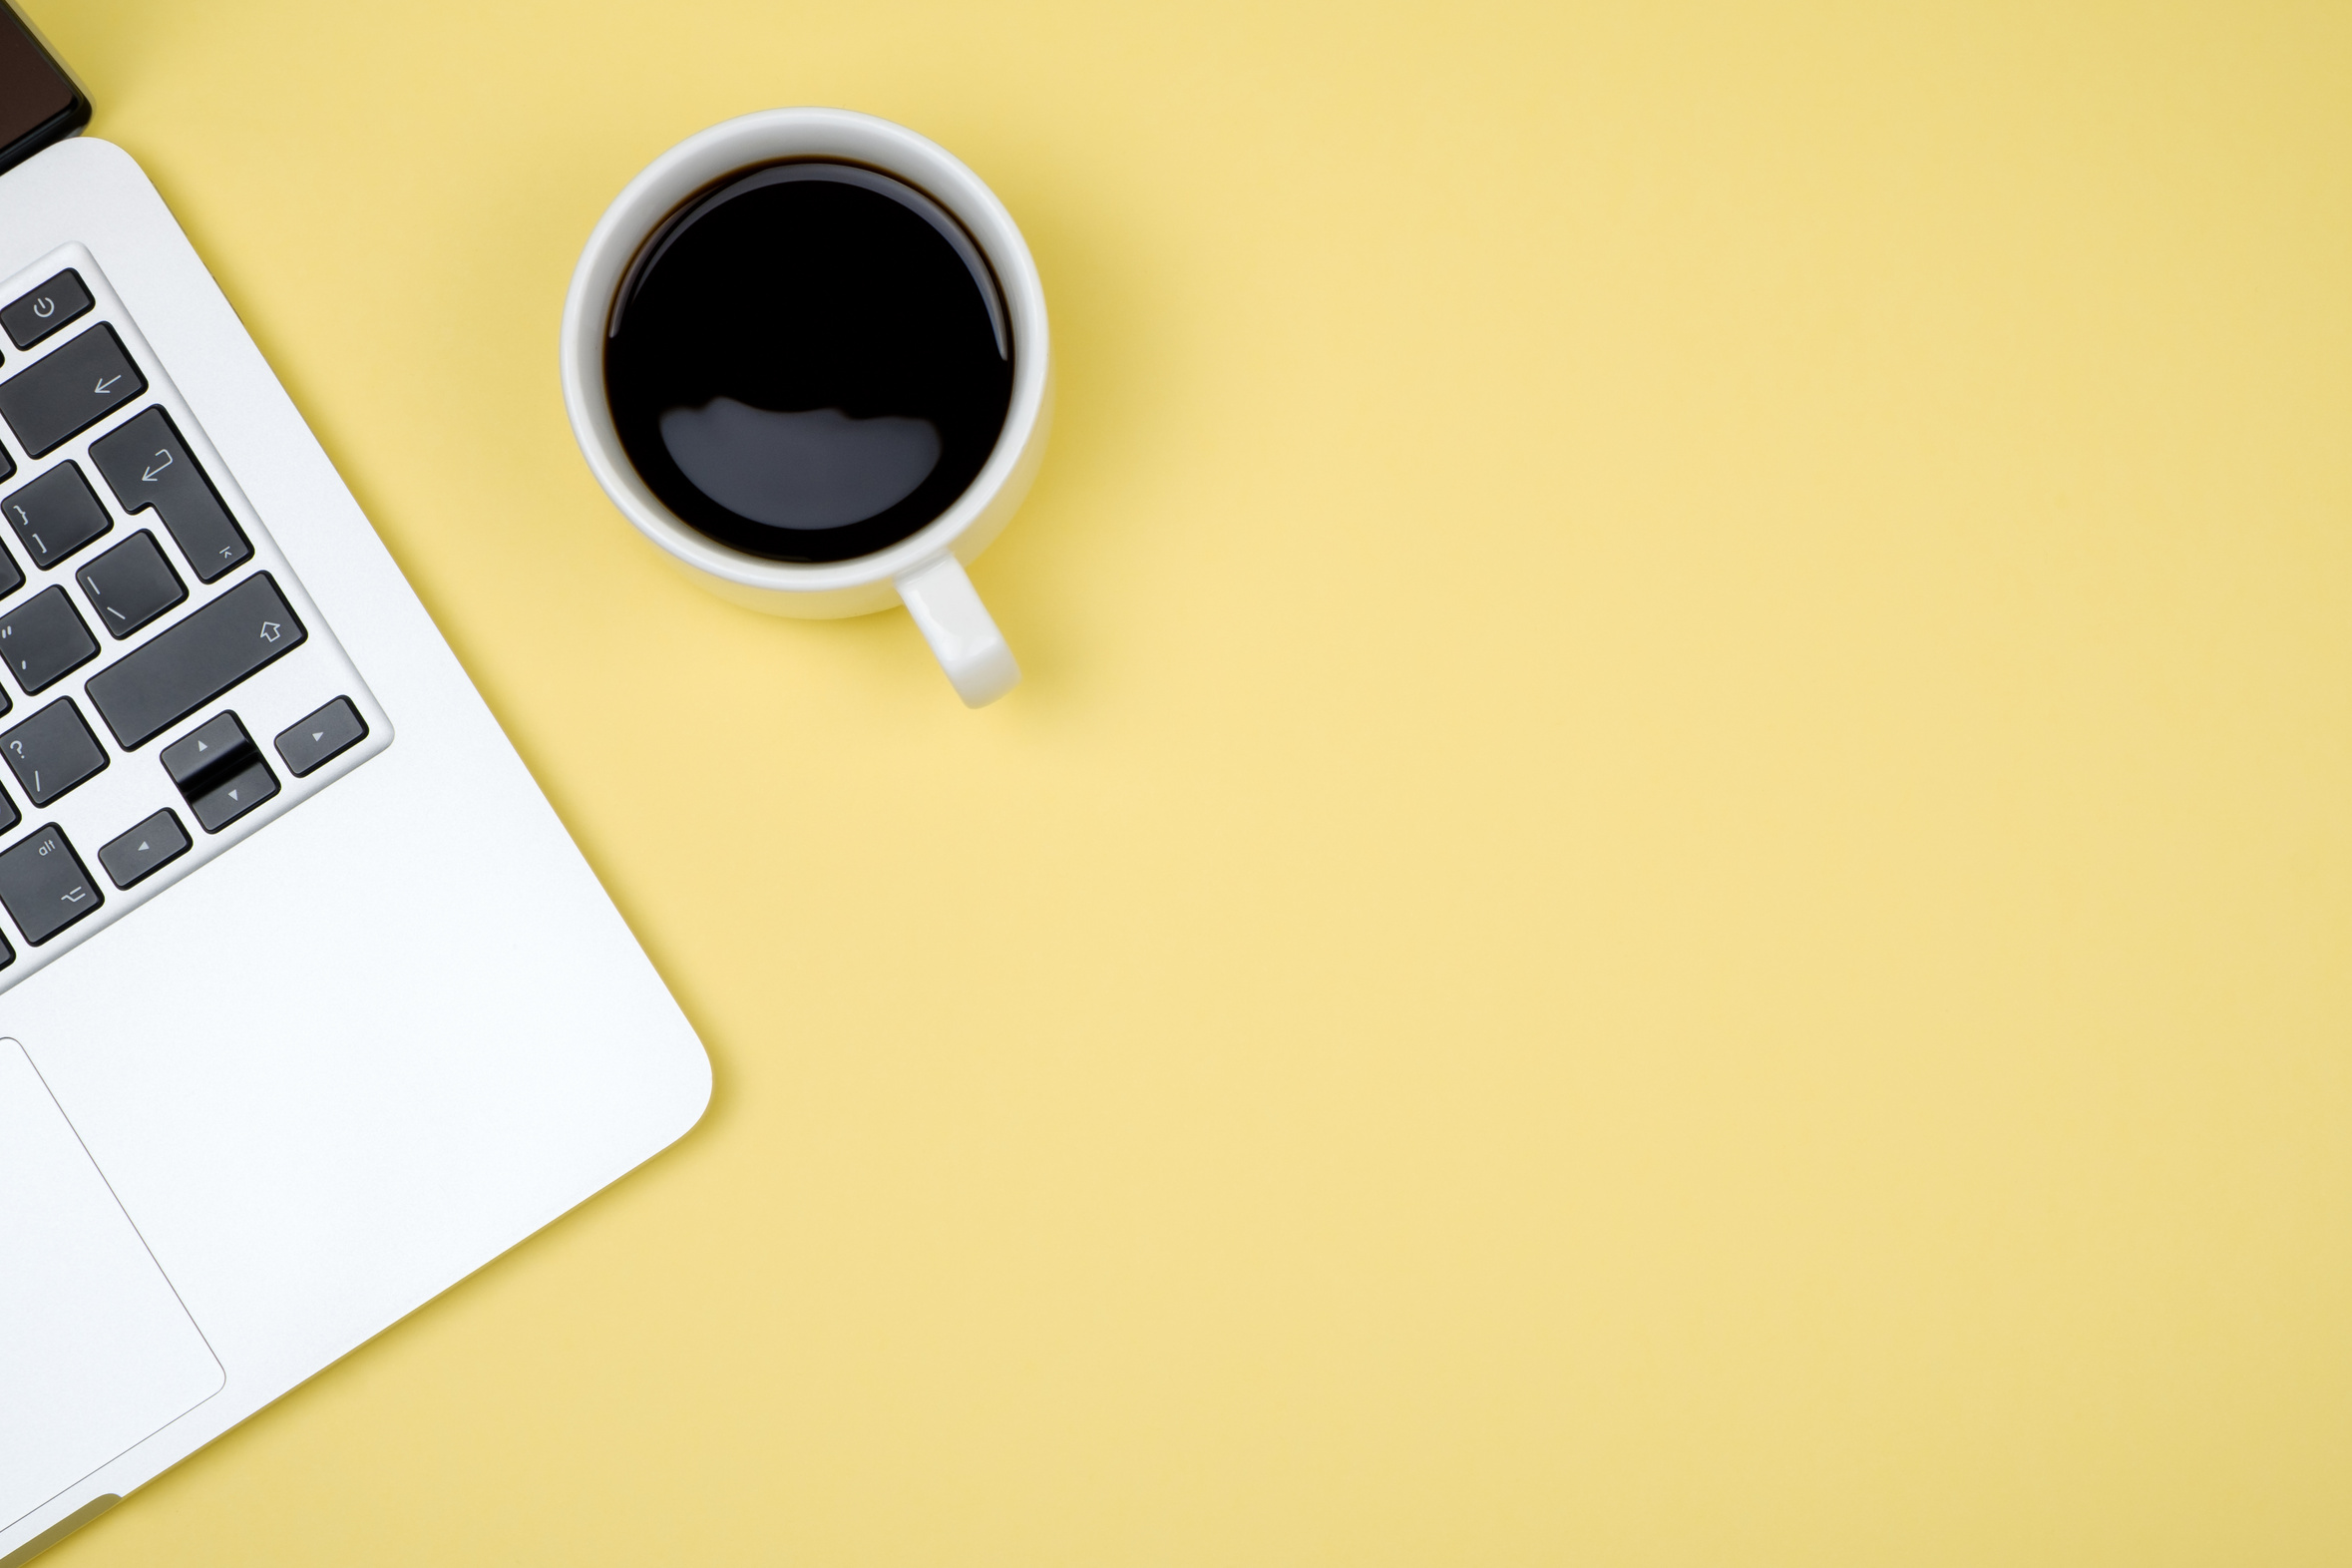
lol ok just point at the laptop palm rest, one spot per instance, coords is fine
(96, 1352)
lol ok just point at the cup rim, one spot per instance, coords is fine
(693, 165)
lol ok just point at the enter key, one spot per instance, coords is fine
(146, 464)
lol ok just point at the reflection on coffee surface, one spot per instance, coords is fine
(808, 362)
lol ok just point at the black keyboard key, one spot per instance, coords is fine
(145, 850)
(186, 665)
(219, 772)
(7, 467)
(8, 817)
(55, 304)
(147, 465)
(74, 388)
(321, 738)
(218, 745)
(12, 578)
(41, 640)
(131, 584)
(235, 795)
(52, 751)
(56, 514)
(44, 886)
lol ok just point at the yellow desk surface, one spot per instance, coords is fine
(1673, 885)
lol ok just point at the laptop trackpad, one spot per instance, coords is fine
(96, 1352)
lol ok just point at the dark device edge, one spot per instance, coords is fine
(34, 52)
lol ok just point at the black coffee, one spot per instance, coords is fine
(809, 361)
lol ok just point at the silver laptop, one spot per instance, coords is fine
(308, 1005)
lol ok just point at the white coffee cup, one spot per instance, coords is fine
(924, 571)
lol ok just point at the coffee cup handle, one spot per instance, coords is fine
(956, 625)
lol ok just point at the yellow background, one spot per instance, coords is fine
(1672, 883)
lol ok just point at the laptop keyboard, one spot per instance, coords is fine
(166, 687)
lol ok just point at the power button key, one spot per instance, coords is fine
(60, 301)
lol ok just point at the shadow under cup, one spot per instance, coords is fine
(809, 361)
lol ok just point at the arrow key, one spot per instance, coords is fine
(235, 795)
(145, 850)
(219, 772)
(322, 737)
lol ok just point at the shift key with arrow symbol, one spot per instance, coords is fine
(194, 659)
(69, 389)
(146, 464)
